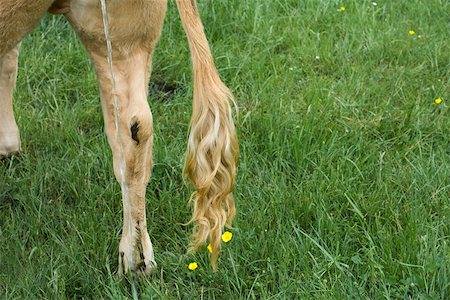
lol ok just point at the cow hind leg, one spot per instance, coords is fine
(132, 152)
(131, 138)
(9, 132)
(17, 19)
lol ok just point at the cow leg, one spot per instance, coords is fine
(136, 141)
(17, 18)
(9, 132)
(133, 43)
(132, 152)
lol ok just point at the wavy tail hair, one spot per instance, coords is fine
(212, 152)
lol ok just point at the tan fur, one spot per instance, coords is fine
(9, 133)
(135, 27)
(133, 44)
(17, 18)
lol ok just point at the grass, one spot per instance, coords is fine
(344, 175)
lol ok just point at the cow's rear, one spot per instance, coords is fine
(134, 28)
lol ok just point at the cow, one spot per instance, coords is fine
(134, 29)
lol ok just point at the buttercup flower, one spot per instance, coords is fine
(227, 236)
(411, 32)
(209, 248)
(438, 101)
(342, 8)
(192, 266)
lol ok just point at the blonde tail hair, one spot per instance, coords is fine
(213, 150)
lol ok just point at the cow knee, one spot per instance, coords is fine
(9, 71)
(9, 68)
(141, 128)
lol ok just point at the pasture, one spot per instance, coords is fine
(344, 175)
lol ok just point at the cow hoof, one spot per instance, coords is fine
(136, 254)
(6, 155)
(9, 145)
(7, 152)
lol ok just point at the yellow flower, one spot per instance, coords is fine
(210, 248)
(227, 236)
(411, 32)
(438, 101)
(192, 266)
(342, 8)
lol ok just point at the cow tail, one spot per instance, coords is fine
(212, 151)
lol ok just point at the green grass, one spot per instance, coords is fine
(344, 174)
